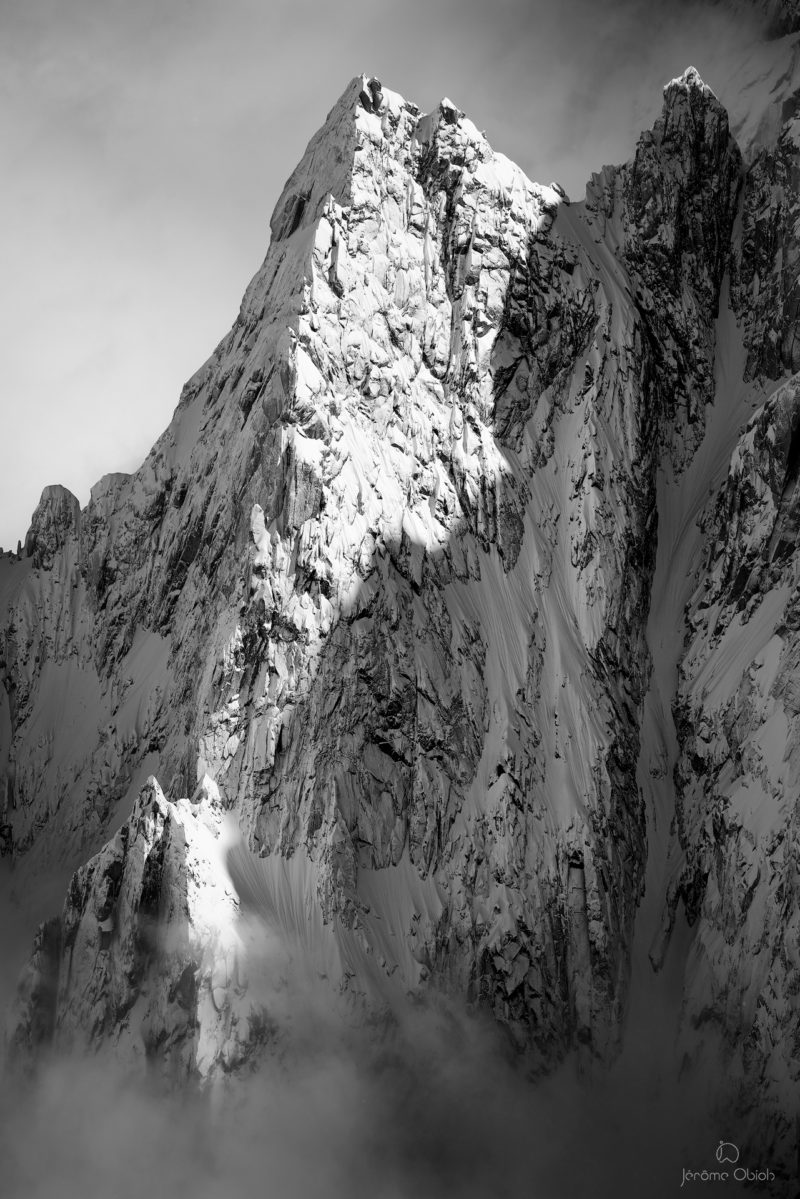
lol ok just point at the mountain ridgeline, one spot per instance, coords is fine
(452, 627)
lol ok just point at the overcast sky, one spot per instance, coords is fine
(144, 146)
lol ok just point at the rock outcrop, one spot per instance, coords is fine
(145, 953)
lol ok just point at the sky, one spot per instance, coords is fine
(144, 147)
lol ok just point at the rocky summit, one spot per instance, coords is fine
(452, 628)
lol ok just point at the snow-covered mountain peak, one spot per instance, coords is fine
(383, 587)
(369, 114)
(688, 80)
(327, 165)
(57, 517)
(688, 98)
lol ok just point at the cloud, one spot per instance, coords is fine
(442, 1114)
(431, 1103)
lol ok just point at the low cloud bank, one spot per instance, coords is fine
(437, 1110)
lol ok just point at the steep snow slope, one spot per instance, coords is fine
(759, 85)
(385, 588)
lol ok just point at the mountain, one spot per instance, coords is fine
(777, 17)
(449, 631)
(781, 15)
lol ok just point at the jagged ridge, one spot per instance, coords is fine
(393, 558)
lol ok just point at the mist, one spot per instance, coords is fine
(427, 1101)
(343, 1121)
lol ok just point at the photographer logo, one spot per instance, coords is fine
(728, 1169)
(727, 1153)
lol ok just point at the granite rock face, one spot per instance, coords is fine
(383, 588)
(737, 802)
(765, 289)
